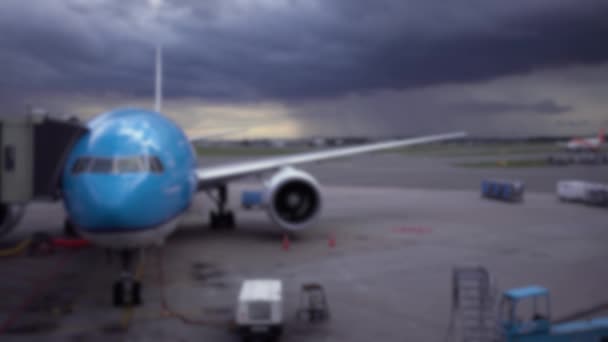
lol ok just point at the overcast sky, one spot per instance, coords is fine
(316, 67)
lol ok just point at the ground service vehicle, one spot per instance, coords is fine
(525, 315)
(259, 309)
(581, 191)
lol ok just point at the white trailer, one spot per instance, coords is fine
(581, 191)
(259, 310)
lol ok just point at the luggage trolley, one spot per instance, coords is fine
(313, 303)
(505, 190)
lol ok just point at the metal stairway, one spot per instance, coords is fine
(473, 316)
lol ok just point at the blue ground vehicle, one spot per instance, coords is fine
(537, 326)
(505, 190)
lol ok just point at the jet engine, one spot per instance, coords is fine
(292, 199)
(10, 215)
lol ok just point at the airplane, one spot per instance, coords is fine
(592, 144)
(127, 182)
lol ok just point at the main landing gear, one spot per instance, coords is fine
(222, 218)
(127, 289)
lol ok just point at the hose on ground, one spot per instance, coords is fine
(16, 250)
(168, 312)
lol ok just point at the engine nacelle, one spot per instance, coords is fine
(292, 199)
(10, 215)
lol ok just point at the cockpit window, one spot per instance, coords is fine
(155, 164)
(118, 165)
(81, 165)
(101, 165)
(126, 165)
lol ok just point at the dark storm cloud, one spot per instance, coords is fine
(497, 107)
(60, 46)
(355, 46)
(290, 50)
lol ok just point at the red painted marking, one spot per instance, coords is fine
(331, 241)
(71, 243)
(286, 242)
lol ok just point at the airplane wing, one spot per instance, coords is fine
(208, 177)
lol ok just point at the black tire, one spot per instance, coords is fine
(69, 229)
(221, 220)
(213, 220)
(230, 222)
(118, 294)
(136, 293)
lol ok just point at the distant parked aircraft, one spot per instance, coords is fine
(585, 144)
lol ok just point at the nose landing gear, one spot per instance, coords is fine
(127, 289)
(126, 292)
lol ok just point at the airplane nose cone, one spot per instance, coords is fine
(111, 202)
(125, 202)
(106, 203)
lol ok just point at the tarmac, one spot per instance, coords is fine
(392, 229)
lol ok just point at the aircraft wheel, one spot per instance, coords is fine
(221, 220)
(118, 294)
(136, 293)
(213, 220)
(69, 229)
(230, 222)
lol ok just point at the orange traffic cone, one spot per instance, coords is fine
(285, 242)
(331, 241)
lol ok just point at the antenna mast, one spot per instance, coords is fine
(158, 84)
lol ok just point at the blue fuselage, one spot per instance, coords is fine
(131, 174)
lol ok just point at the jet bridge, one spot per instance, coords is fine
(33, 151)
